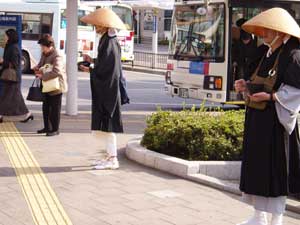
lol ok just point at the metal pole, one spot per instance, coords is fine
(155, 32)
(138, 26)
(71, 59)
(155, 38)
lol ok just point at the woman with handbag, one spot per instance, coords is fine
(271, 147)
(12, 105)
(51, 71)
(105, 78)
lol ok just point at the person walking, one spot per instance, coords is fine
(52, 100)
(105, 74)
(271, 147)
(12, 105)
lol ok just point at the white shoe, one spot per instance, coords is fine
(98, 162)
(108, 165)
(277, 219)
(259, 218)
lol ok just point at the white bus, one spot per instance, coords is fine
(200, 64)
(126, 37)
(47, 16)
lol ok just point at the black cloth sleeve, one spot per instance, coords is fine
(292, 74)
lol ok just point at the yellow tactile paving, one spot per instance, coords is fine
(43, 203)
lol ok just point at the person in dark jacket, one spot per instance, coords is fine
(271, 147)
(243, 51)
(12, 105)
(52, 100)
(105, 83)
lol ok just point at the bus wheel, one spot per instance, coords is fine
(25, 62)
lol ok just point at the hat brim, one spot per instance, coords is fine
(104, 17)
(276, 19)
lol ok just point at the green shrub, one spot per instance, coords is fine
(196, 135)
(163, 42)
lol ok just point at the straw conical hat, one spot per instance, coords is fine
(276, 19)
(104, 17)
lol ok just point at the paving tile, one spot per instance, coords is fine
(120, 219)
(133, 195)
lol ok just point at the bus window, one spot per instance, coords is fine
(198, 32)
(81, 25)
(34, 24)
(125, 14)
(63, 19)
(46, 24)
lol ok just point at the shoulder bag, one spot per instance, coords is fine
(9, 74)
(35, 93)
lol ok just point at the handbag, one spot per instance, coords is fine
(9, 74)
(35, 93)
(51, 85)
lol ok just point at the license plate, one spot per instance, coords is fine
(183, 92)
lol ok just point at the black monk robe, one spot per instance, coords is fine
(264, 164)
(105, 78)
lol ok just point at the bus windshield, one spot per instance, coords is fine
(81, 25)
(198, 32)
(125, 14)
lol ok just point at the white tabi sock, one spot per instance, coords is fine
(276, 219)
(259, 218)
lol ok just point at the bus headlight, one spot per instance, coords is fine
(168, 77)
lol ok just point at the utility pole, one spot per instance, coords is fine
(71, 57)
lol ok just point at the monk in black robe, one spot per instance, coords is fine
(271, 148)
(105, 74)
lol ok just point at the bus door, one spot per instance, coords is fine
(244, 48)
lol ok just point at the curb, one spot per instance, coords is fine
(188, 170)
(144, 70)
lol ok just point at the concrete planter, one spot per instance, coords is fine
(225, 170)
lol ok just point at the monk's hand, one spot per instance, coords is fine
(87, 58)
(240, 85)
(84, 68)
(259, 97)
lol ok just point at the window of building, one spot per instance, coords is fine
(168, 19)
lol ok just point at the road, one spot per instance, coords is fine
(146, 92)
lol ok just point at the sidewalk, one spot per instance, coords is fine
(133, 194)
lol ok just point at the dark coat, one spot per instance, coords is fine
(123, 90)
(11, 99)
(264, 165)
(105, 81)
(243, 54)
(12, 58)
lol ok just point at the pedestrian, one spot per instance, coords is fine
(52, 100)
(12, 105)
(271, 146)
(105, 74)
(243, 51)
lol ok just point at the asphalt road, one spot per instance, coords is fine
(146, 92)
